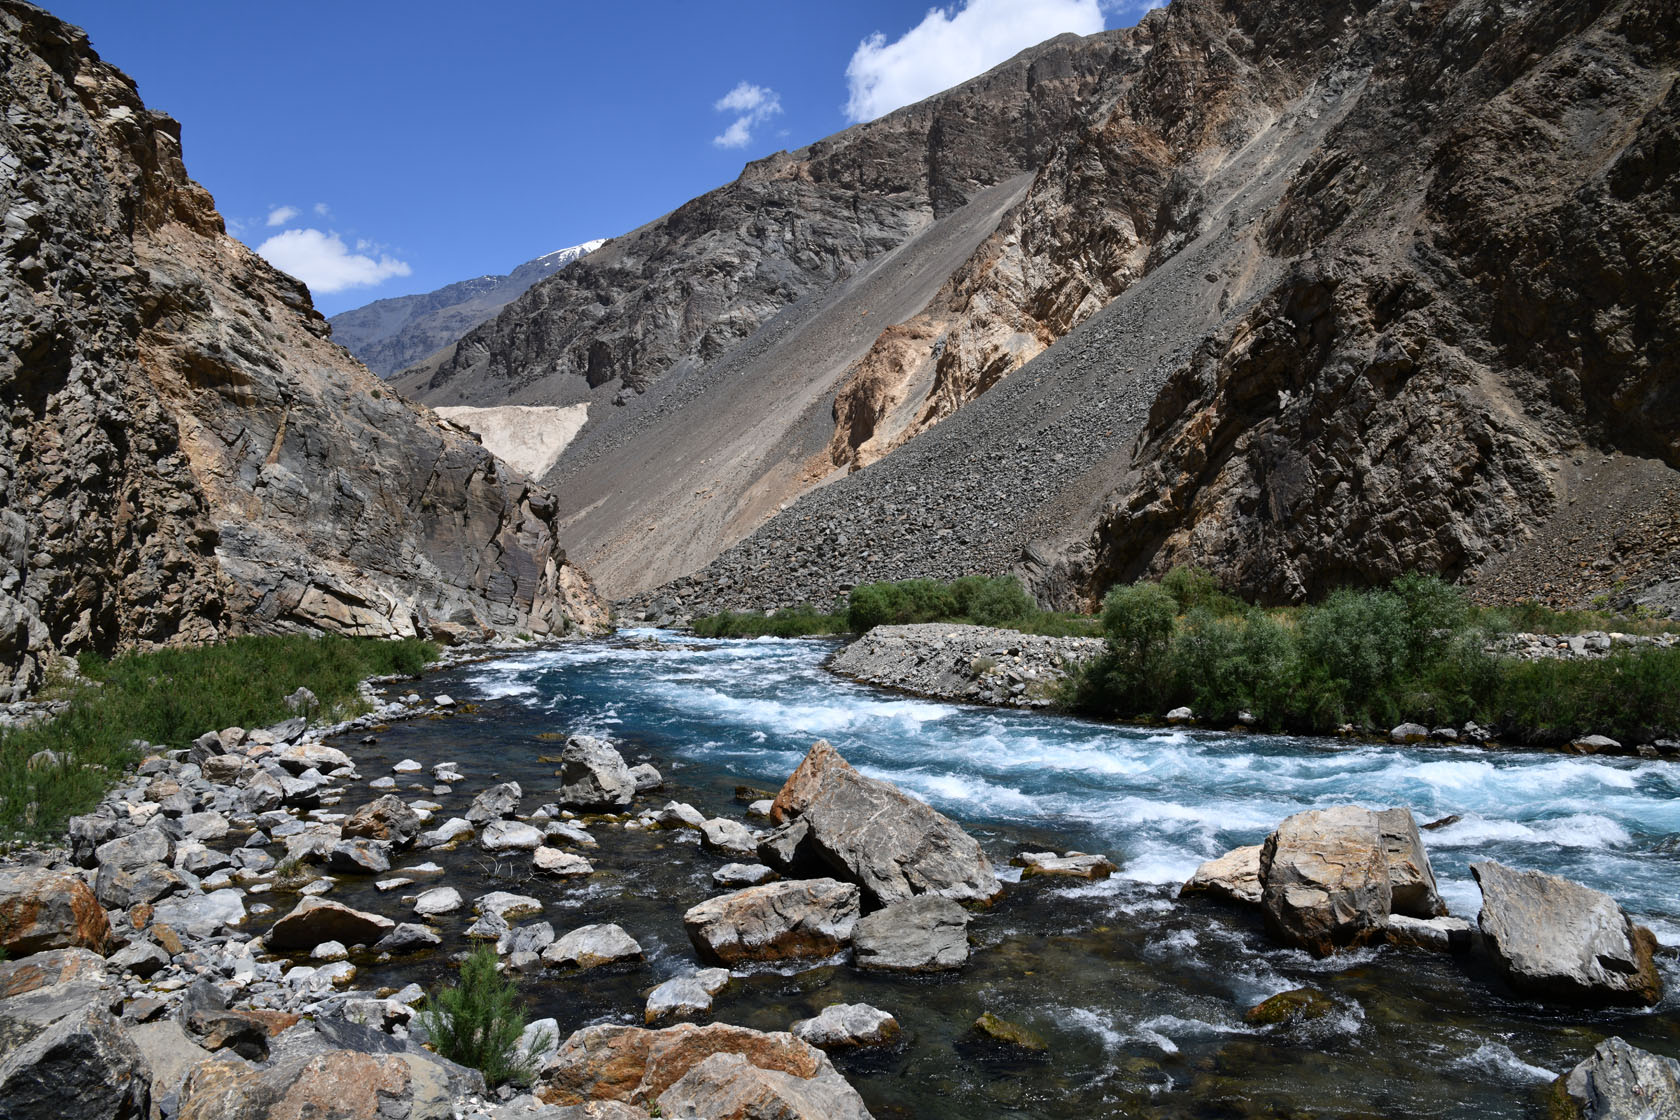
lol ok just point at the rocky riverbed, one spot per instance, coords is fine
(979, 664)
(249, 921)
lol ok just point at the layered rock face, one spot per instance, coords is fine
(1306, 295)
(390, 334)
(188, 456)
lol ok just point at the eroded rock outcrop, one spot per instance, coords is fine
(188, 455)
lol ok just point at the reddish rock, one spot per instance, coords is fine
(41, 910)
(636, 1065)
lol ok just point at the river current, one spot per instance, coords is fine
(1140, 995)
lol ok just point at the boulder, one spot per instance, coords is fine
(42, 910)
(448, 832)
(1234, 876)
(1324, 876)
(63, 1055)
(1619, 1082)
(925, 934)
(506, 905)
(532, 938)
(141, 957)
(510, 836)
(637, 1065)
(384, 818)
(169, 1053)
(869, 832)
(54, 966)
(1595, 744)
(995, 1037)
(315, 920)
(1411, 881)
(1439, 935)
(1299, 1005)
(119, 889)
(1409, 733)
(742, 875)
(561, 865)
(847, 1026)
(1072, 865)
(496, 803)
(150, 845)
(1558, 940)
(794, 920)
(679, 814)
(732, 838)
(729, 1087)
(407, 938)
(438, 900)
(205, 827)
(358, 857)
(646, 777)
(593, 776)
(592, 946)
(341, 1084)
(682, 996)
(198, 916)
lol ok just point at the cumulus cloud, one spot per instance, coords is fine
(325, 263)
(752, 106)
(953, 44)
(280, 215)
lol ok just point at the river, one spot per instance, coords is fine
(1141, 996)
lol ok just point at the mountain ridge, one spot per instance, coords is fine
(390, 334)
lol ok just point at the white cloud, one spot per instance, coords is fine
(753, 105)
(280, 215)
(321, 209)
(322, 261)
(954, 44)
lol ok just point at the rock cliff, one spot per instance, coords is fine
(187, 455)
(390, 334)
(1311, 296)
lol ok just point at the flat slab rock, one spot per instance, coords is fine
(1070, 865)
(1557, 939)
(873, 834)
(315, 920)
(926, 934)
(798, 919)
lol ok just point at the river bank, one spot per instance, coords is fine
(1140, 998)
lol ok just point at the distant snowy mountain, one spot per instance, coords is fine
(391, 334)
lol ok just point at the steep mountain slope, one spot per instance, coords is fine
(186, 455)
(390, 334)
(1308, 294)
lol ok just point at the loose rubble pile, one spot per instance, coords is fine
(153, 977)
(980, 664)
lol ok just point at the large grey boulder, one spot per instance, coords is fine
(1411, 880)
(62, 1054)
(683, 996)
(140, 849)
(793, 920)
(496, 803)
(925, 934)
(194, 914)
(1559, 940)
(1619, 1082)
(593, 776)
(1324, 880)
(344, 1084)
(591, 946)
(871, 833)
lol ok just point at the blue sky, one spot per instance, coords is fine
(384, 148)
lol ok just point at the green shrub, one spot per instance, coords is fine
(991, 600)
(477, 1021)
(899, 604)
(1134, 674)
(170, 697)
(1196, 587)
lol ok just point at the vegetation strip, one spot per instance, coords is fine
(51, 771)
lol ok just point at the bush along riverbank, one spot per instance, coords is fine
(180, 958)
(99, 717)
(998, 601)
(1413, 660)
